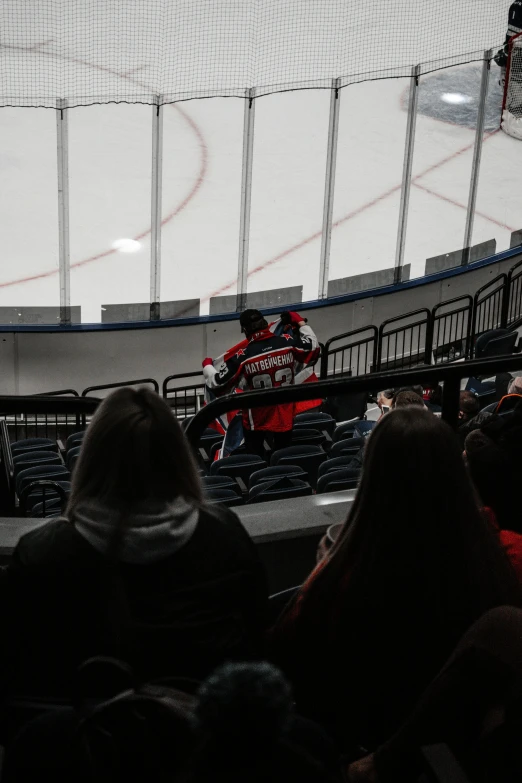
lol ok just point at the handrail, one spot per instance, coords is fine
(7, 453)
(60, 392)
(325, 349)
(38, 404)
(196, 373)
(450, 375)
(118, 385)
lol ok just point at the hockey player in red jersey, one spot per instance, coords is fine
(266, 361)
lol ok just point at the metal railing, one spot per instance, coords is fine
(120, 384)
(450, 375)
(357, 355)
(514, 287)
(452, 329)
(406, 344)
(489, 308)
(184, 401)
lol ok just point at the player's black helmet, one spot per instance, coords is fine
(252, 321)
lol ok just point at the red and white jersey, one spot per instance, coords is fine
(267, 361)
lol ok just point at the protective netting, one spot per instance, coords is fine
(100, 51)
(512, 108)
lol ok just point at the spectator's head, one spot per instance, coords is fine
(252, 321)
(134, 452)
(469, 405)
(243, 719)
(415, 538)
(407, 399)
(515, 387)
(492, 455)
(384, 398)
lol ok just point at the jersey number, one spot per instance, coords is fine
(283, 377)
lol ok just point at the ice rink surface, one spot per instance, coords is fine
(110, 183)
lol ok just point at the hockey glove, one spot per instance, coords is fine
(289, 317)
(501, 58)
(206, 362)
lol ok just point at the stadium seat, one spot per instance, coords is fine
(207, 440)
(74, 440)
(43, 493)
(279, 489)
(31, 459)
(51, 508)
(277, 471)
(495, 342)
(335, 463)
(220, 482)
(225, 497)
(42, 490)
(71, 458)
(33, 444)
(40, 472)
(307, 437)
(335, 480)
(344, 430)
(239, 467)
(306, 457)
(322, 422)
(348, 447)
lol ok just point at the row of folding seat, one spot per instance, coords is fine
(42, 480)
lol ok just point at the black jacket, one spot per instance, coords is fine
(62, 601)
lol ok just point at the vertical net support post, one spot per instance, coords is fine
(156, 193)
(246, 197)
(511, 118)
(62, 137)
(329, 188)
(477, 155)
(406, 172)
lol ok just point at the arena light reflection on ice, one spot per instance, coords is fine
(126, 245)
(456, 97)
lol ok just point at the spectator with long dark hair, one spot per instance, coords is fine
(140, 567)
(415, 565)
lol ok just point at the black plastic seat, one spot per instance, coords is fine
(335, 463)
(322, 422)
(306, 457)
(279, 489)
(71, 458)
(307, 437)
(220, 482)
(33, 444)
(51, 508)
(225, 497)
(495, 342)
(278, 471)
(207, 440)
(344, 431)
(32, 459)
(42, 490)
(348, 447)
(336, 480)
(74, 440)
(40, 472)
(239, 467)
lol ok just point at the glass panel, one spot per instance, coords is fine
(290, 145)
(498, 212)
(442, 160)
(28, 216)
(202, 153)
(110, 195)
(372, 130)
